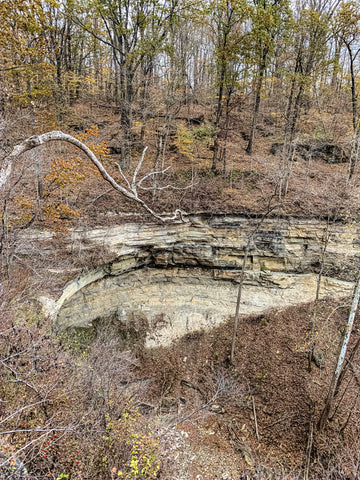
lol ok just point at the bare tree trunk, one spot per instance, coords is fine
(317, 294)
(238, 302)
(334, 384)
(37, 163)
(353, 84)
(259, 83)
(309, 443)
(354, 155)
(270, 209)
(218, 118)
(146, 72)
(227, 125)
(336, 64)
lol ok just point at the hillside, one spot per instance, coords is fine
(179, 240)
(196, 409)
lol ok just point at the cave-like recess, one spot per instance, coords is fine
(170, 280)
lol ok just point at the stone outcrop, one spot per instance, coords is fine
(168, 280)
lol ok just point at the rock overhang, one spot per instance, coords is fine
(187, 274)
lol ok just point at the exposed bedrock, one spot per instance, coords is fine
(170, 280)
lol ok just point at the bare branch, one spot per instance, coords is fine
(123, 176)
(151, 174)
(170, 185)
(133, 183)
(129, 192)
(17, 412)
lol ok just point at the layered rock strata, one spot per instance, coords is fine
(169, 280)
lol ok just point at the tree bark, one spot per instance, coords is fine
(353, 85)
(238, 302)
(218, 117)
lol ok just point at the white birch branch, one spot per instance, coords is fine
(130, 191)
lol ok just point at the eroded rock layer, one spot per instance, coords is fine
(168, 280)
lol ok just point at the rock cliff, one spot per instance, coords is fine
(168, 280)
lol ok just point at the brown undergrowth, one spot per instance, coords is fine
(80, 405)
(216, 403)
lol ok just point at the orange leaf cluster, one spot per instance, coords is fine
(101, 149)
(55, 214)
(65, 172)
(24, 211)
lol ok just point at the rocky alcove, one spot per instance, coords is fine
(171, 280)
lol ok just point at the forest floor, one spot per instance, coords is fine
(252, 418)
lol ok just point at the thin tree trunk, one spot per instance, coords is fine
(35, 153)
(309, 450)
(317, 294)
(334, 384)
(348, 363)
(126, 115)
(242, 276)
(354, 155)
(309, 444)
(353, 86)
(226, 132)
(259, 83)
(217, 119)
(238, 302)
(336, 65)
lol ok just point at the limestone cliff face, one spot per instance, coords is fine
(173, 279)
